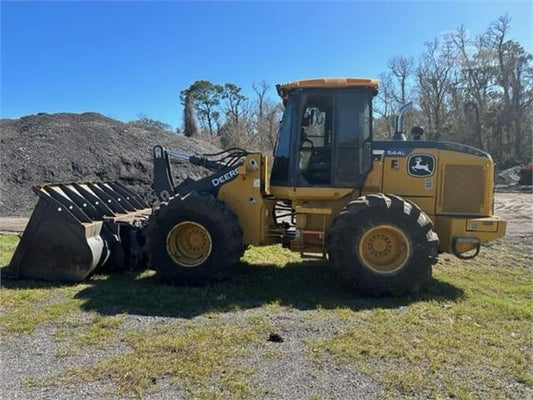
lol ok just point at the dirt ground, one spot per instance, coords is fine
(517, 208)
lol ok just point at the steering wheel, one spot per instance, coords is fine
(305, 139)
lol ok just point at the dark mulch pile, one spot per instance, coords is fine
(66, 147)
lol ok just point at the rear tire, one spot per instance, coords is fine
(383, 244)
(193, 240)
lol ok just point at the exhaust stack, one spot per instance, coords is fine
(398, 130)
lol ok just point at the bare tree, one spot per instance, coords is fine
(472, 85)
(514, 79)
(260, 90)
(433, 73)
(267, 116)
(384, 106)
(401, 69)
(269, 124)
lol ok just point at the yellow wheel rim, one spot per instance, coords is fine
(384, 249)
(189, 244)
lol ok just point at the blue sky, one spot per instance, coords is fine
(127, 58)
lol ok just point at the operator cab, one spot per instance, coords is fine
(325, 138)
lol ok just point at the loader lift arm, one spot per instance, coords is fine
(223, 164)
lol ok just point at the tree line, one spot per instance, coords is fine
(471, 89)
(223, 113)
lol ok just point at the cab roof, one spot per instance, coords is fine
(284, 88)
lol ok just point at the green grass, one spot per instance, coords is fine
(25, 305)
(8, 243)
(204, 360)
(468, 335)
(476, 346)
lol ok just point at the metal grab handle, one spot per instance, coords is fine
(465, 239)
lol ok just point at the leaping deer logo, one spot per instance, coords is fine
(421, 165)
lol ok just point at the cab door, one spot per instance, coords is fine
(352, 150)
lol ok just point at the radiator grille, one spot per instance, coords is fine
(463, 189)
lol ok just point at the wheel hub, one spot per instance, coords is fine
(189, 244)
(379, 245)
(384, 249)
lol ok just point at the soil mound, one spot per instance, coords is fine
(509, 176)
(66, 147)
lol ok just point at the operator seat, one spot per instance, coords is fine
(319, 166)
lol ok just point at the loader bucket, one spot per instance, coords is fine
(77, 227)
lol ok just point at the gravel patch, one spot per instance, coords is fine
(288, 370)
(284, 370)
(31, 358)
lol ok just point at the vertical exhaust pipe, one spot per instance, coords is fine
(398, 129)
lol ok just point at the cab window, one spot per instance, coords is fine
(314, 153)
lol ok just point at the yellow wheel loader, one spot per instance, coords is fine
(381, 211)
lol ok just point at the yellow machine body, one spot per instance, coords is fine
(458, 197)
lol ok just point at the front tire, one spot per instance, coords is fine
(383, 244)
(193, 240)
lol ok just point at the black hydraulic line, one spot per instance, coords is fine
(225, 151)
